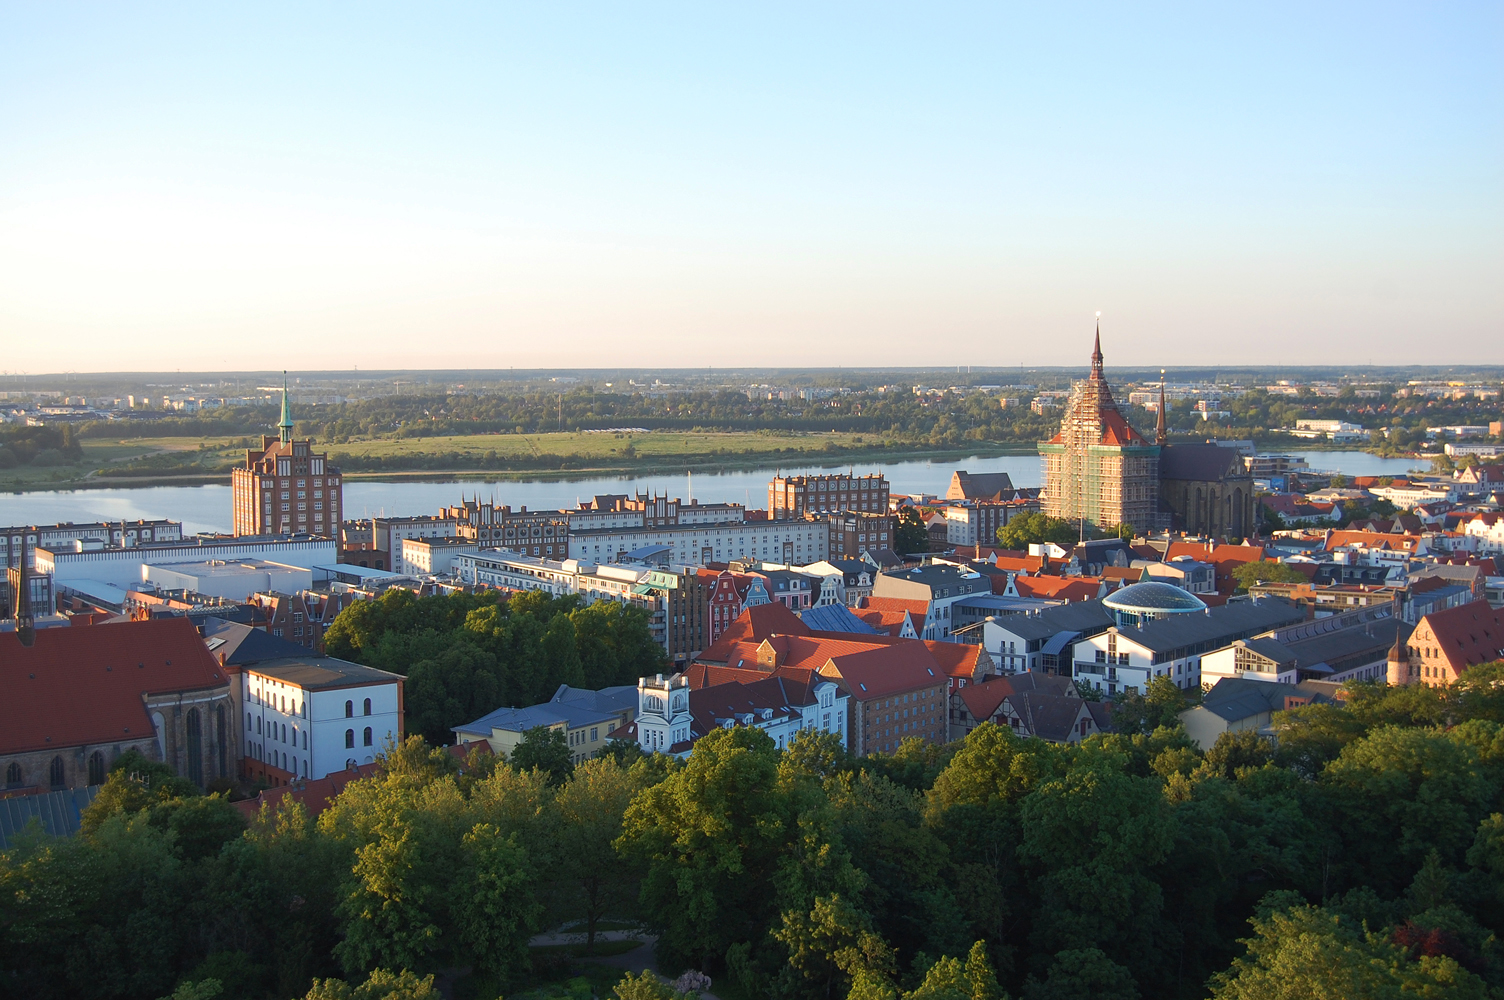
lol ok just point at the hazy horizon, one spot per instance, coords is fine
(675, 187)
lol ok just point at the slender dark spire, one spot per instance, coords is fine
(26, 625)
(285, 424)
(1161, 431)
(1096, 353)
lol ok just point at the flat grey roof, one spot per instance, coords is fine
(314, 673)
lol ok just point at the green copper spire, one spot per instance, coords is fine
(286, 423)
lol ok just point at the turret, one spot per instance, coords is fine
(285, 424)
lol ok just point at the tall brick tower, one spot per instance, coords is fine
(284, 488)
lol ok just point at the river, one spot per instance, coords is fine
(207, 508)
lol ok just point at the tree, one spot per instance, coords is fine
(1266, 571)
(379, 985)
(1083, 974)
(711, 835)
(1024, 530)
(460, 685)
(546, 749)
(594, 878)
(913, 534)
(1305, 952)
(1159, 705)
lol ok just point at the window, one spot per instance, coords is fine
(219, 730)
(368, 736)
(13, 776)
(349, 739)
(368, 710)
(55, 772)
(195, 732)
(96, 768)
(349, 709)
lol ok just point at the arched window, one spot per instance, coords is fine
(349, 739)
(219, 745)
(55, 772)
(13, 776)
(195, 732)
(368, 706)
(96, 768)
(368, 736)
(349, 709)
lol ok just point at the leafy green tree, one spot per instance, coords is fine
(1235, 751)
(1024, 530)
(818, 754)
(913, 534)
(711, 836)
(1083, 974)
(593, 879)
(1159, 706)
(1305, 952)
(379, 985)
(644, 986)
(460, 685)
(497, 911)
(545, 749)
(1266, 571)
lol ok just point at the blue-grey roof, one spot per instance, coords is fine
(1215, 628)
(835, 618)
(1154, 596)
(1085, 617)
(572, 708)
(59, 813)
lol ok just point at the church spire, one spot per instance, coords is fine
(1161, 431)
(20, 600)
(1096, 354)
(285, 424)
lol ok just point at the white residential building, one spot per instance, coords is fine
(788, 542)
(432, 556)
(671, 716)
(1406, 495)
(1488, 533)
(122, 567)
(305, 717)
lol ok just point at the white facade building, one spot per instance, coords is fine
(431, 556)
(788, 542)
(670, 716)
(306, 717)
(122, 567)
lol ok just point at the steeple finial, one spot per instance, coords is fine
(1161, 431)
(1096, 354)
(285, 424)
(21, 610)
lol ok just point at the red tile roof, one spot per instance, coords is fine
(957, 659)
(84, 684)
(754, 625)
(910, 605)
(885, 670)
(1468, 634)
(1065, 588)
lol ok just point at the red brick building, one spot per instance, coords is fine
(285, 488)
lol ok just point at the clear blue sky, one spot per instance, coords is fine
(439, 185)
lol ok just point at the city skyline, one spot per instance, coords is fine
(677, 188)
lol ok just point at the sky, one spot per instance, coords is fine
(325, 186)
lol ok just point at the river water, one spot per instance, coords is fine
(207, 508)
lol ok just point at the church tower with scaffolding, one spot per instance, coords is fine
(1098, 470)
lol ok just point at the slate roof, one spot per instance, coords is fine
(60, 813)
(1237, 698)
(1217, 625)
(1202, 463)
(241, 644)
(85, 684)
(979, 485)
(1080, 616)
(835, 618)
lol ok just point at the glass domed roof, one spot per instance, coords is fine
(1162, 598)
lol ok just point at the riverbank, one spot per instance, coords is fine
(440, 460)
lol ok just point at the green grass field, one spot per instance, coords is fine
(181, 460)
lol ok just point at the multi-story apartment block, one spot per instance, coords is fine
(975, 522)
(854, 532)
(302, 617)
(389, 533)
(92, 535)
(543, 533)
(784, 541)
(795, 496)
(286, 488)
(618, 510)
